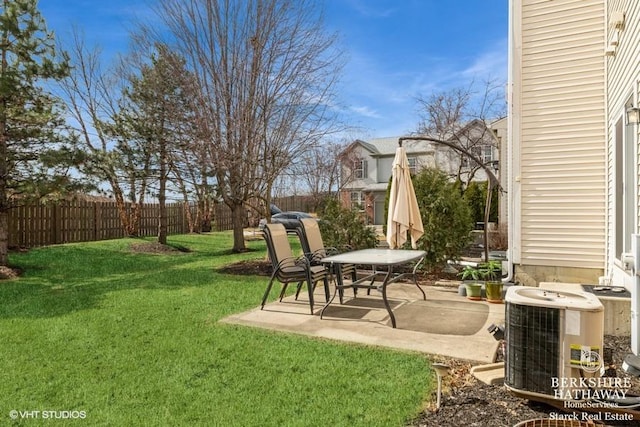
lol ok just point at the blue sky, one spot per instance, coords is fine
(396, 49)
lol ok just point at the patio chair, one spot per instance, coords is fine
(287, 268)
(314, 249)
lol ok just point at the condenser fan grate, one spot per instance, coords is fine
(532, 336)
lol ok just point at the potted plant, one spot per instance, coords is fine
(471, 276)
(491, 272)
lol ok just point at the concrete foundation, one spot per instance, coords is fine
(531, 275)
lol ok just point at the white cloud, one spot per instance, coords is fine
(491, 63)
(365, 8)
(365, 112)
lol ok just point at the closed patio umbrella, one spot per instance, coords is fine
(404, 214)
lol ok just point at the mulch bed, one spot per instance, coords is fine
(155, 248)
(250, 267)
(469, 402)
(9, 273)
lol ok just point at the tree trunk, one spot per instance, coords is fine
(4, 237)
(4, 201)
(162, 196)
(134, 220)
(4, 166)
(162, 217)
(268, 200)
(188, 214)
(238, 216)
(123, 213)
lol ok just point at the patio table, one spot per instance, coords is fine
(387, 258)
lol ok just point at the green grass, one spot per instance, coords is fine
(134, 339)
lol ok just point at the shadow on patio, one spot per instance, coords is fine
(445, 324)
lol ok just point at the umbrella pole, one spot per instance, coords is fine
(395, 244)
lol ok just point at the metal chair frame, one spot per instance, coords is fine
(287, 268)
(314, 249)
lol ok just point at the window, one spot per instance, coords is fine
(360, 169)
(486, 153)
(413, 164)
(356, 200)
(624, 185)
(483, 152)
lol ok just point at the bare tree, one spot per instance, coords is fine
(266, 71)
(92, 97)
(460, 116)
(190, 167)
(318, 171)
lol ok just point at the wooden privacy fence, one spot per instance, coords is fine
(222, 219)
(82, 221)
(294, 203)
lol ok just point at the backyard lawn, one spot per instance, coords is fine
(111, 336)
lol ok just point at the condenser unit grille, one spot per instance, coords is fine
(532, 355)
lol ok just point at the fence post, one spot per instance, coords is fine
(96, 221)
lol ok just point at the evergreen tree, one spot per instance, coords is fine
(154, 122)
(34, 158)
(445, 216)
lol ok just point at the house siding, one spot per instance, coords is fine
(380, 153)
(360, 153)
(623, 74)
(562, 133)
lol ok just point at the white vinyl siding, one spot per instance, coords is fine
(385, 166)
(359, 169)
(623, 74)
(562, 133)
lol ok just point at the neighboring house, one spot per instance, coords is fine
(573, 160)
(367, 165)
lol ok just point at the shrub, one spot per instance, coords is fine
(445, 215)
(499, 239)
(344, 227)
(476, 197)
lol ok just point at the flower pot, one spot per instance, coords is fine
(494, 292)
(474, 291)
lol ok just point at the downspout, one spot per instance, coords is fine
(510, 198)
(608, 264)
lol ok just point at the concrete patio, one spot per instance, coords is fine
(446, 324)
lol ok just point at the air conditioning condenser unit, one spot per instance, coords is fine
(554, 341)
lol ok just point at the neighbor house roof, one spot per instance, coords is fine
(381, 147)
(385, 147)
